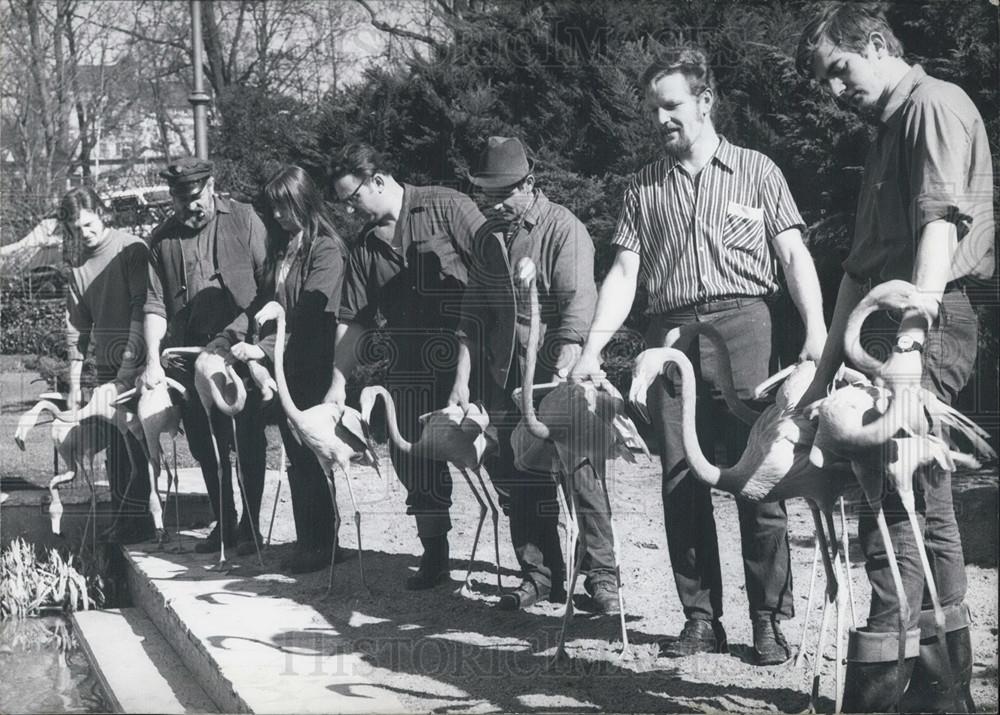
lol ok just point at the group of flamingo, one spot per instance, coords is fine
(815, 452)
(818, 451)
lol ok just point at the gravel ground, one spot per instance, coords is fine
(442, 650)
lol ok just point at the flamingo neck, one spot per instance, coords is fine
(403, 445)
(287, 403)
(531, 421)
(704, 470)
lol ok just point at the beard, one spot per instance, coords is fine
(677, 145)
(197, 219)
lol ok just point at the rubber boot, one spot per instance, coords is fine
(872, 680)
(932, 686)
(960, 652)
(433, 568)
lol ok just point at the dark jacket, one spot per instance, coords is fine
(237, 261)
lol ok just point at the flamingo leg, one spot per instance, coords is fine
(177, 497)
(277, 492)
(906, 497)
(357, 525)
(243, 491)
(496, 522)
(847, 560)
(903, 606)
(218, 468)
(618, 568)
(336, 528)
(573, 564)
(832, 588)
(479, 527)
(809, 603)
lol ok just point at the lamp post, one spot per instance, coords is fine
(198, 98)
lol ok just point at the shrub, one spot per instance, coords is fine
(29, 584)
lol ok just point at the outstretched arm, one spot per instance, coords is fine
(803, 284)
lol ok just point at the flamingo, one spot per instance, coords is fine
(461, 436)
(158, 415)
(775, 465)
(860, 423)
(583, 425)
(333, 434)
(77, 443)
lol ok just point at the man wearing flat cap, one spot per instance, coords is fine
(531, 238)
(206, 262)
(410, 265)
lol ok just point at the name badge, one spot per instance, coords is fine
(748, 212)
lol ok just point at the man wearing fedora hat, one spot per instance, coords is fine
(410, 265)
(205, 264)
(701, 226)
(531, 238)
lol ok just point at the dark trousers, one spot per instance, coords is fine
(533, 508)
(252, 450)
(312, 508)
(745, 325)
(949, 357)
(129, 491)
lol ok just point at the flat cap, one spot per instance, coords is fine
(187, 176)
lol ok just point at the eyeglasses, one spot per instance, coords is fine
(352, 199)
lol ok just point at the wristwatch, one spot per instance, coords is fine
(906, 344)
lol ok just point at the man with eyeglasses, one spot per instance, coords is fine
(205, 265)
(530, 238)
(699, 226)
(410, 265)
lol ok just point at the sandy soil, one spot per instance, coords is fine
(442, 650)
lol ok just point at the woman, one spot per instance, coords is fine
(304, 272)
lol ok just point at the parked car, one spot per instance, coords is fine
(139, 210)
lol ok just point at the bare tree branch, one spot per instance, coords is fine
(395, 30)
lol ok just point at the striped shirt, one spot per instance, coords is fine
(706, 237)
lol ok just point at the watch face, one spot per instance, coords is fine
(904, 342)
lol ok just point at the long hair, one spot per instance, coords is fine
(292, 190)
(848, 26)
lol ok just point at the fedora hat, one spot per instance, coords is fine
(503, 162)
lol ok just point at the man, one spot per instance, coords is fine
(699, 226)
(531, 238)
(104, 305)
(206, 262)
(925, 215)
(411, 265)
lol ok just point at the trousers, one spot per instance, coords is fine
(745, 325)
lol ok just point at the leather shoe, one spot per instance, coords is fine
(697, 636)
(769, 644)
(433, 568)
(604, 597)
(526, 594)
(309, 560)
(211, 543)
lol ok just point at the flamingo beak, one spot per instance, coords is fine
(19, 442)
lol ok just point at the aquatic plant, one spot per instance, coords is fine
(29, 584)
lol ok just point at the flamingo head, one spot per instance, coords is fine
(841, 414)
(367, 400)
(218, 384)
(271, 311)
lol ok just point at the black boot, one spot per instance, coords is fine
(433, 564)
(930, 689)
(871, 687)
(960, 652)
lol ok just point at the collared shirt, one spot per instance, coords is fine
(930, 160)
(418, 287)
(202, 280)
(706, 237)
(494, 318)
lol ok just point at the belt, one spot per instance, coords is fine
(716, 306)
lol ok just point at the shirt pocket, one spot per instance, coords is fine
(743, 228)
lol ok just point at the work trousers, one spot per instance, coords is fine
(312, 508)
(948, 360)
(531, 502)
(419, 379)
(745, 325)
(251, 453)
